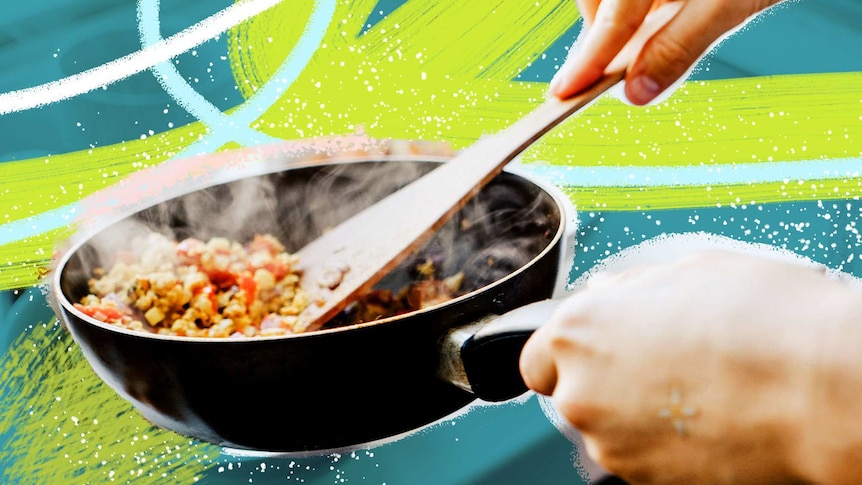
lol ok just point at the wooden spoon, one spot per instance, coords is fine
(348, 260)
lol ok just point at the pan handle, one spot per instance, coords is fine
(482, 358)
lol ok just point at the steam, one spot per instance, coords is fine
(297, 199)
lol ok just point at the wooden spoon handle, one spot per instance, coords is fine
(349, 259)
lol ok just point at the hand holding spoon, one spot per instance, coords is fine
(349, 259)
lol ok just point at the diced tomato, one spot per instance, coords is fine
(189, 250)
(247, 284)
(278, 268)
(210, 292)
(220, 278)
(267, 243)
(103, 313)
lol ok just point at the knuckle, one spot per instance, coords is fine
(585, 416)
(620, 18)
(623, 466)
(672, 54)
(619, 21)
(577, 342)
(613, 463)
(574, 312)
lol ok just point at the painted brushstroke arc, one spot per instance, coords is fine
(149, 185)
(116, 70)
(167, 75)
(38, 224)
(223, 127)
(697, 175)
(703, 175)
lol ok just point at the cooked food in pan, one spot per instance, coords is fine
(198, 282)
(221, 288)
(217, 288)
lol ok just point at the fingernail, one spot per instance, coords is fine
(643, 89)
(563, 76)
(554, 88)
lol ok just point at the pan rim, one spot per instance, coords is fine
(238, 174)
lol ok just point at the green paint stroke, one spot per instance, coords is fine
(283, 24)
(690, 197)
(30, 187)
(25, 261)
(427, 71)
(60, 424)
(733, 121)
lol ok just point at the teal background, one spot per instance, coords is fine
(512, 443)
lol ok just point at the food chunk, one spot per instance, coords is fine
(217, 288)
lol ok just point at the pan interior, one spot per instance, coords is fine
(510, 222)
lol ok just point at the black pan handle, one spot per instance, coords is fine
(482, 358)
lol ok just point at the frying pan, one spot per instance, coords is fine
(349, 384)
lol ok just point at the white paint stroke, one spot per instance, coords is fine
(123, 67)
(180, 89)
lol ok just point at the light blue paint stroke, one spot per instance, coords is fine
(166, 73)
(222, 131)
(696, 175)
(291, 68)
(38, 224)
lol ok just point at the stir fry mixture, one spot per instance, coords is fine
(217, 288)
(221, 288)
(427, 291)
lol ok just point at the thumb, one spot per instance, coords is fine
(673, 50)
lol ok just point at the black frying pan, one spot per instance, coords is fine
(349, 384)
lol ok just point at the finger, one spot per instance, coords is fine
(615, 22)
(553, 341)
(671, 52)
(537, 364)
(587, 9)
(575, 400)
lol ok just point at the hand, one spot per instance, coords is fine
(665, 57)
(718, 368)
